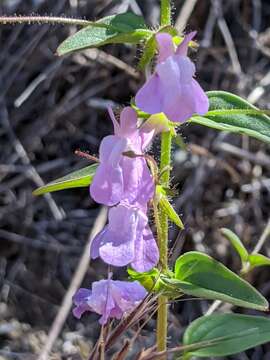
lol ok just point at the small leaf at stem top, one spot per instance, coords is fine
(236, 243)
(256, 260)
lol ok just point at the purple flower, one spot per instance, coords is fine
(119, 177)
(127, 239)
(109, 298)
(172, 88)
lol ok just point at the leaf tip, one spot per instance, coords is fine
(58, 51)
(36, 192)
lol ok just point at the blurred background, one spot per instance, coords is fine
(51, 106)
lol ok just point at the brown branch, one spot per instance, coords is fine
(85, 155)
(52, 20)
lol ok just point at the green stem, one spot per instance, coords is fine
(165, 13)
(162, 317)
(165, 158)
(165, 162)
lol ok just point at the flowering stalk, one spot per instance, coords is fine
(165, 161)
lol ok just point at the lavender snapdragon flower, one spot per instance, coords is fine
(172, 89)
(109, 298)
(127, 239)
(127, 183)
(119, 177)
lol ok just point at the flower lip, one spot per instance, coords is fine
(172, 89)
(167, 47)
(127, 239)
(109, 298)
(118, 177)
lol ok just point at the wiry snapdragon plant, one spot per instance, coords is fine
(133, 184)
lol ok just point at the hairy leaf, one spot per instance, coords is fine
(121, 28)
(170, 212)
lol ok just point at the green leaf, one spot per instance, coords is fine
(148, 52)
(200, 275)
(231, 113)
(79, 178)
(170, 212)
(236, 243)
(150, 280)
(226, 334)
(256, 260)
(114, 29)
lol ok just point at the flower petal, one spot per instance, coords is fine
(118, 241)
(146, 252)
(149, 97)
(182, 107)
(109, 298)
(128, 122)
(165, 46)
(101, 300)
(186, 69)
(114, 121)
(138, 181)
(111, 146)
(119, 254)
(107, 185)
(127, 295)
(97, 242)
(81, 295)
(182, 49)
(201, 99)
(80, 299)
(172, 89)
(147, 135)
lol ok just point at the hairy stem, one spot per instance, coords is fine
(165, 162)
(165, 158)
(53, 20)
(162, 319)
(165, 12)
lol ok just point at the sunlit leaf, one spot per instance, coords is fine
(231, 113)
(200, 275)
(170, 212)
(226, 334)
(150, 280)
(79, 178)
(236, 243)
(148, 52)
(256, 260)
(120, 28)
